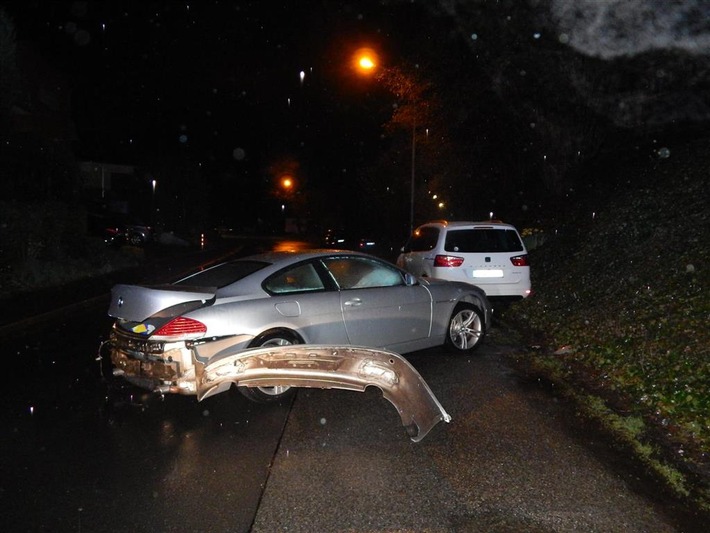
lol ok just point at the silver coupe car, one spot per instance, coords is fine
(175, 338)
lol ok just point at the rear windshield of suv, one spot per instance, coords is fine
(483, 240)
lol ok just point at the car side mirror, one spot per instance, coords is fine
(410, 280)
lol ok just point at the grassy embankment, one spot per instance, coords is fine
(621, 312)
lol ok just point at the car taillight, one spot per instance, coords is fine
(181, 326)
(520, 260)
(448, 261)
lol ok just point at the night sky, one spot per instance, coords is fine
(218, 80)
(243, 90)
(248, 91)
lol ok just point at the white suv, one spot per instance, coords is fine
(489, 254)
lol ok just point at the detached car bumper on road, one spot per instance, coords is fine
(301, 365)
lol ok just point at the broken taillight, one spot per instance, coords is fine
(181, 326)
(520, 260)
(448, 261)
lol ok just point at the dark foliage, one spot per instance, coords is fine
(621, 301)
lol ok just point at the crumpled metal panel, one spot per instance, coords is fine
(324, 366)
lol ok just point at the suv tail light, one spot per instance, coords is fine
(181, 326)
(448, 261)
(520, 260)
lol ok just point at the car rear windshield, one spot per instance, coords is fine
(222, 275)
(483, 240)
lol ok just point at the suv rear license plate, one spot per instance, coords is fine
(493, 273)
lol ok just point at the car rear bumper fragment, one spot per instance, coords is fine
(324, 366)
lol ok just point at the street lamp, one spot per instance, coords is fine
(366, 62)
(287, 183)
(153, 217)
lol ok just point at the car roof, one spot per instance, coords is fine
(468, 224)
(273, 262)
(286, 257)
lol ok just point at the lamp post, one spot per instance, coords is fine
(366, 62)
(153, 217)
(411, 194)
(285, 192)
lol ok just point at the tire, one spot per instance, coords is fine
(136, 239)
(270, 394)
(466, 329)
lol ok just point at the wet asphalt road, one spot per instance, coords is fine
(82, 452)
(511, 460)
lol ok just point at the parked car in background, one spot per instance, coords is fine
(165, 337)
(132, 233)
(488, 254)
(342, 240)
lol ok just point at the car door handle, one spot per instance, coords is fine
(353, 303)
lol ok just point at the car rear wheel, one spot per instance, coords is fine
(136, 239)
(270, 394)
(466, 329)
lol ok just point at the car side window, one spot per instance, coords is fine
(302, 278)
(422, 240)
(360, 273)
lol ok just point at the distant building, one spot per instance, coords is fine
(101, 181)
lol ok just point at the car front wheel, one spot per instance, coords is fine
(466, 329)
(270, 394)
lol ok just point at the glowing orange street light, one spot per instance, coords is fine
(287, 183)
(366, 60)
(366, 63)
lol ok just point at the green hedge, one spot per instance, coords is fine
(621, 301)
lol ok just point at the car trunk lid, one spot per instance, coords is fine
(134, 303)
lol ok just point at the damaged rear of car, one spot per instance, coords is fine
(147, 353)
